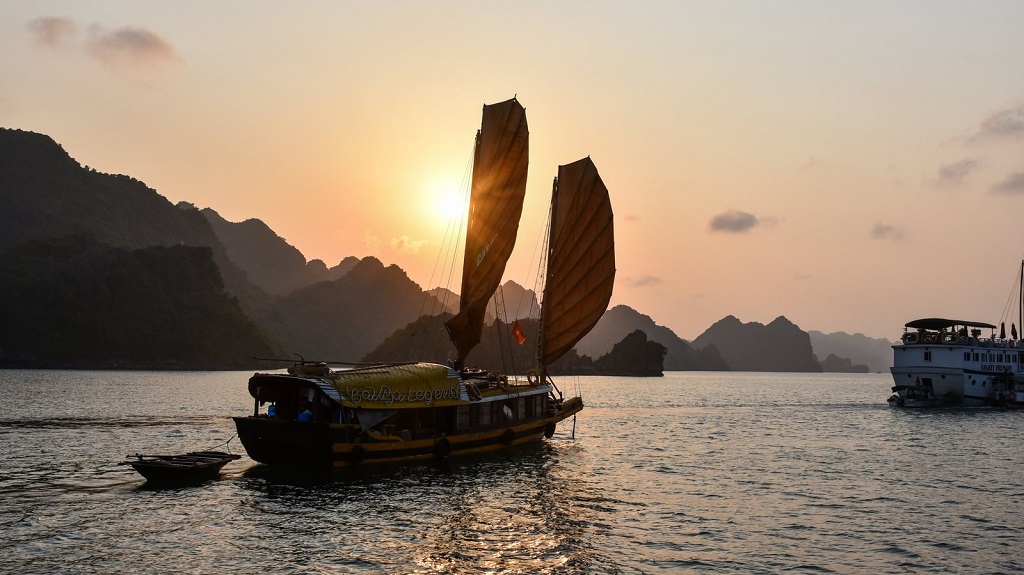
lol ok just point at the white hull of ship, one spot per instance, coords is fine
(950, 385)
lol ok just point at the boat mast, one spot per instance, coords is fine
(547, 275)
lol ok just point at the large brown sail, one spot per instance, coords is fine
(581, 259)
(496, 203)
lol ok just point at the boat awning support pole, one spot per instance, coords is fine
(553, 386)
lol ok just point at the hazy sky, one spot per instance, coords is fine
(850, 165)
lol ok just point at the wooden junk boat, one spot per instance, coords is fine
(191, 467)
(419, 411)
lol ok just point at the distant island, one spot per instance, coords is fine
(100, 271)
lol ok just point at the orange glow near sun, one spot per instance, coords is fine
(450, 204)
(447, 203)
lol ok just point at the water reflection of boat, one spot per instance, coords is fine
(456, 510)
(415, 411)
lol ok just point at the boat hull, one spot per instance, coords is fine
(298, 444)
(947, 384)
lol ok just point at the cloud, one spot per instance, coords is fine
(52, 31)
(1012, 185)
(126, 48)
(733, 221)
(130, 46)
(954, 174)
(643, 281)
(1004, 124)
(886, 232)
(407, 245)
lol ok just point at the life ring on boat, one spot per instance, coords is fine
(443, 448)
(357, 454)
(508, 437)
(549, 430)
(532, 377)
(503, 383)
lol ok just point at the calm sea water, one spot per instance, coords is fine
(693, 472)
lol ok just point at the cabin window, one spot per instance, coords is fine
(485, 413)
(927, 356)
(1000, 358)
(967, 356)
(975, 356)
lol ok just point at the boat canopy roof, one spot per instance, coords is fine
(943, 323)
(394, 386)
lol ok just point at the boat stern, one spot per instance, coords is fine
(285, 443)
(568, 408)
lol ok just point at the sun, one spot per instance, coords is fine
(449, 204)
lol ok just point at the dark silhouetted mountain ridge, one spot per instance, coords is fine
(73, 302)
(860, 349)
(343, 319)
(778, 346)
(270, 261)
(47, 194)
(621, 320)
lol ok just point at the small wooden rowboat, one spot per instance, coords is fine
(191, 467)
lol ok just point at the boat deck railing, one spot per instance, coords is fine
(948, 338)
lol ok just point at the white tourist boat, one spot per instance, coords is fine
(942, 361)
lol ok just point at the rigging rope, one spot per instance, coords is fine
(1010, 300)
(224, 443)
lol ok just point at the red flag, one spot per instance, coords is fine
(517, 332)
